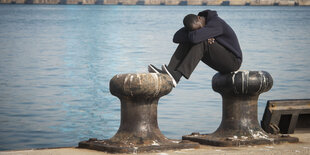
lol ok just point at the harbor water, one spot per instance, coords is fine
(56, 62)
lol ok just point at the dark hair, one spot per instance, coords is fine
(189, 21)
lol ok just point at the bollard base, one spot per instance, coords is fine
(112, 147)
(209, 139)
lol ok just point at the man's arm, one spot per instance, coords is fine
(181, 36)
(204, 33)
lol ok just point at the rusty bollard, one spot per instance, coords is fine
(138, 131)
(239, 126)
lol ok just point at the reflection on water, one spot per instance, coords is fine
(56, 63)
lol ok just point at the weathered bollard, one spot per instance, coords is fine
(239, 126)
(138, 131)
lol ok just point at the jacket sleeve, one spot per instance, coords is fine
(202, 34)
(181, 36)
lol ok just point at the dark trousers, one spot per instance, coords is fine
(187, 56)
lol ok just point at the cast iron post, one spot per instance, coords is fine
(138, 131)
(239, 126)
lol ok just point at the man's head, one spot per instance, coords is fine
(194, 22)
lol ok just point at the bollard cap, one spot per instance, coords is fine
(242, 82)
(147, 85)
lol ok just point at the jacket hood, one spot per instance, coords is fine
(208, 14)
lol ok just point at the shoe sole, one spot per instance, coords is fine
(174, 83)
(152, 69)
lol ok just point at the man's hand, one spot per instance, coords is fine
(211, 41)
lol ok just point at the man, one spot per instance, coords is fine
(204, 37)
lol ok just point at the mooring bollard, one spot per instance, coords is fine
(239, 126)
(138, 131)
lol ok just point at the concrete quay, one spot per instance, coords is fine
(300, 148)
(166, 2)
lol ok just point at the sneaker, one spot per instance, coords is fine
(153, 69)
(175, 78)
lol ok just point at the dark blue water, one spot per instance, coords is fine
(56, 62)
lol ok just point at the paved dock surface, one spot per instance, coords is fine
(301, 148)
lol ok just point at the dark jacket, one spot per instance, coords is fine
(215, 28)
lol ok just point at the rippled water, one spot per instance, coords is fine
(56, 62)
